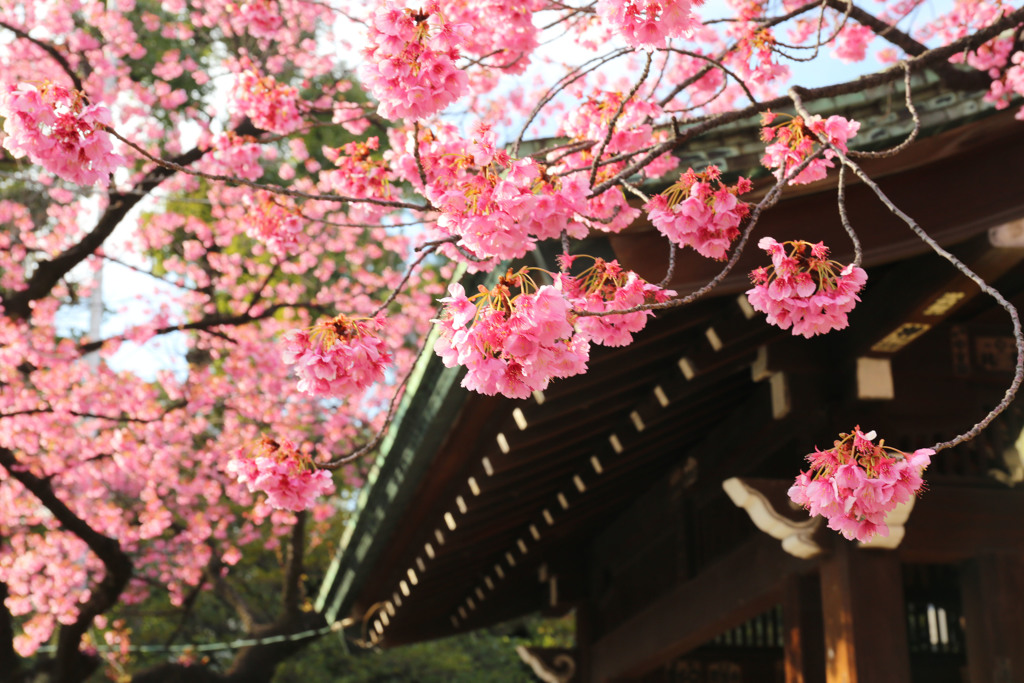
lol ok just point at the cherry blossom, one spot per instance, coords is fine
(606, 286)
(410, 64)
(510, 344)
(274, 221)
(53, 126)
(700, 211)
(793, 140)
(287, 476)
(856, 483)
(803, 289)
(340, 357)
(272, 106)
(649, 23)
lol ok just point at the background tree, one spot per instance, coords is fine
(224, 150)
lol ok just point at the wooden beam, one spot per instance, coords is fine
(731, 590)
(993, 588)
(864, 616)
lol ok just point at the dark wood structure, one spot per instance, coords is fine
(649, 494)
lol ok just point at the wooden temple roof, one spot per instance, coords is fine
(481, 508)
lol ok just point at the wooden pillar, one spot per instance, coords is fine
(993, 587)
(804, 638)
(584, 641)
(864, 616)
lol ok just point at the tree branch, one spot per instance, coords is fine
(950, 75)
(68, 661)
(50, 50)
(926, 60)
(207, 323)
(291, 594)
(49, 273)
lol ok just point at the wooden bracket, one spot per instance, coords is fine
(775, 517)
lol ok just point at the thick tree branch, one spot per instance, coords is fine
(950, 75)
(68, 661)
(208, 323)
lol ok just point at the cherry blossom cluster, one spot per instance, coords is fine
(1006, 68)
(649, 23)
(359, 173)
(856, 483)
(497, 207)
(261, 18)
(273, 220)
(606, 286)
(52, 125)
(503, 31)
(235, 154)
(794, 140)
(510, 343)
(340, 357)
(270, 105)
(701, 211)
(287, 476)
(410, 61)
(804, 289)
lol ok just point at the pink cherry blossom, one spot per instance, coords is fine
(793, 140)
(497, 207)
(649, 23)
(53, 127)
(273, 220)
(856, 483)
(271, 106)
(605, 286)
(700, 211)
(510, 344)
(803, 289)
(359, 173)
(340, 357)
(287, 476)
(410, 63)
(261, 18)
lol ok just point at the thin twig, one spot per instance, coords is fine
(276, 189)
(408, 274)
(909, 98)
(858, 254)
(564, 82)
(416, 153)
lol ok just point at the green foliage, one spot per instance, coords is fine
(484, 656)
